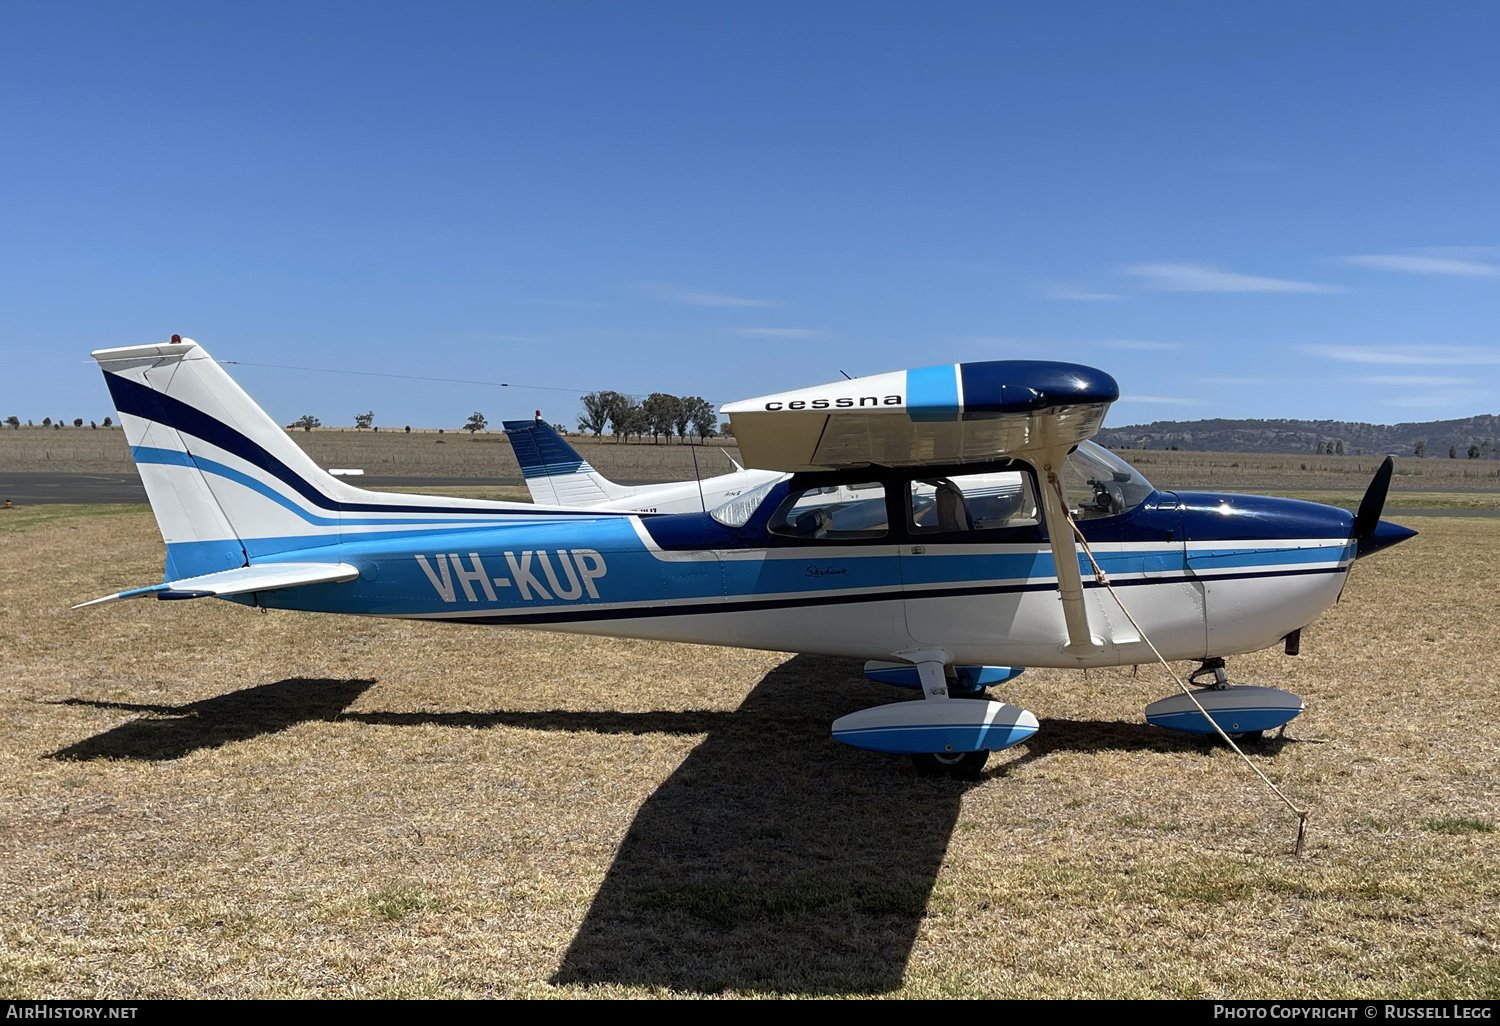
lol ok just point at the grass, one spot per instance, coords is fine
(199, 800)
(383, 453)
(1486, 502)
(488, 454)
(1459, 825)
(24, 518)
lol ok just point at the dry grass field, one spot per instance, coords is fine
(197, 799)
(380, 453)
(488, 454)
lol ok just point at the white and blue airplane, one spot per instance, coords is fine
(556, 474)
(922, 520)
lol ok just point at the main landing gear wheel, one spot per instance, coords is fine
(957, 765)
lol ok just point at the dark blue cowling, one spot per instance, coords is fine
(1211, 516)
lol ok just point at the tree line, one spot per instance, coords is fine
(15, 422)
(657, 415)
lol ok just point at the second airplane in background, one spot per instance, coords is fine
(557, 475)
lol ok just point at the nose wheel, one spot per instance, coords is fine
(955, 765)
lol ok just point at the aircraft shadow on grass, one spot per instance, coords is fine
(772, 860)
(174, 731)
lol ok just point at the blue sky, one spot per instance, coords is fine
(1269, 210)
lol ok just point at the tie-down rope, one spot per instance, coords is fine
(1102, 578)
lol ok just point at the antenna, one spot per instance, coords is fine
(698, 477)
(846, 376)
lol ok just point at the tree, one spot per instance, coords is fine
(684, 416)
(408, 429)
(661, 413)
(475, 423)
(595, 416)
(1420, 448)
(625, 415)
(78, 422)
(364, 420)
(107, 422)
(1453, 452)
(1473, 449)
(705, 418)
(306, 422)
(14, 422)
(616, 412)
(46, 422)
(1340, 444)
(93, 426)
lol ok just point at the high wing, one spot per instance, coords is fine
(952, 413)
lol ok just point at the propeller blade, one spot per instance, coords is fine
(1373, 503)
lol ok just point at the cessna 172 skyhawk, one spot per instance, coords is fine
(927, 525)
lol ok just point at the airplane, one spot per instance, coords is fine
(557, 475)
(938, 523)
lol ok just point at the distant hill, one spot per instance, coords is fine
(1294, 436)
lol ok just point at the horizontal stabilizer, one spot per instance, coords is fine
(240, 581)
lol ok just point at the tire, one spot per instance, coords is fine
(955, 765)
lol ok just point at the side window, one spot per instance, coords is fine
(834, 513)
(973, 502)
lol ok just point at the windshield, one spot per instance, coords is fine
(738, 510)
(1100, 484)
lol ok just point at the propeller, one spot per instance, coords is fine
(1370, 533)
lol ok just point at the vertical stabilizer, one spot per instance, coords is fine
(217, 469)
(555, 473)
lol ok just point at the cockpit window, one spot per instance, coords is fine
(972, 502)
(738, 510)
(1100, 484)
(833, 513)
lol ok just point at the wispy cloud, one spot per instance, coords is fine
(1407, 379)
(1416, 263)
(1074, 296)
(1070, 293)
(690, 296)
(1130, 343)
(807, 333)
(1441, 399)
(1163, 399)
(545, 301)
(1237, 381)
(1042, 345)
(1198, 278)
(1406, 355)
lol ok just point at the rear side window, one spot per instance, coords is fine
(973, 502)
(834, 513)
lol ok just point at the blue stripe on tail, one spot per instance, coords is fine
(541, 451)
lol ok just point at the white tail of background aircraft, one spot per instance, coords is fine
(556, 474)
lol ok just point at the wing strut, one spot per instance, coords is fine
(1081, 641)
